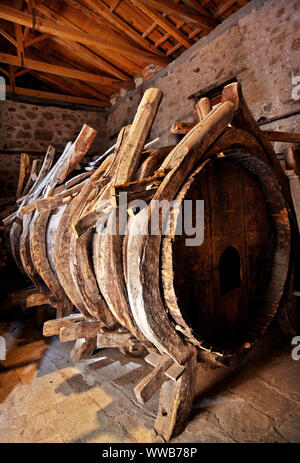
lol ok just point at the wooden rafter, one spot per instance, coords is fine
(57, 97)
(181, 12)
(165, 24)
(99, 9)
(37, 39)
(68, 33)
(8, 37)
(82, 51)
(62, 71)
(71, 86)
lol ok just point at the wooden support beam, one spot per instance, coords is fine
(152, 382)
(5, 72)
(137, 189)
(52, 327)
(181, 12)
(37, 39)
(80, 329)
(8, 37)
(223, 8)
(58, 97)
(196, 5)
(33, 300)
(69, 33)
(288, 137)
(173, 372)
(86, 54)
(162, 22)
(19, 37)
(115, 339)
(63, 71)
(24, 173)
(83, 349)
(175, 402)
(22, 72)
(183, 128)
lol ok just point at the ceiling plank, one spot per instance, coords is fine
(68, 33)
(162, 22)
(58, 97)
(181, 12)
(93, 10)
(63, 71)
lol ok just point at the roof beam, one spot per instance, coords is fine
(69, 33)
(19, 37)
(93, 10)
(63, 71)
(162, 22)
(66, 85)
(30, 42)
(181, 12)
(57, 97)
(194, 4)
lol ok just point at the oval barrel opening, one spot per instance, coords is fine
(230, 270)
(220, 284)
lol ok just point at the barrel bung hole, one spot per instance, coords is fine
(229, 270)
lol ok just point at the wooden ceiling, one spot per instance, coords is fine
(83, 52)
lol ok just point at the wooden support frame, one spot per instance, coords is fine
(58, 97)
(68, 33)
(62, 71)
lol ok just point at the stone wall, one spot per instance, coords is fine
(31, 128)
(259, 45)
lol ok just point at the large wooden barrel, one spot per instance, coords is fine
(218, 296)
(224, 293)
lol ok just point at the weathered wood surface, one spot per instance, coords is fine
(83, 349)
(115, 339)
(23, 173)
(52, 327)
(153, 381)
(137, 291)
(107, 248)
(143, 281)
(175, 402)
(79, 329)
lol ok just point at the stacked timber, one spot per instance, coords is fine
(151, 292)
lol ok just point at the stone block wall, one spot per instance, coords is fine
(31, 128)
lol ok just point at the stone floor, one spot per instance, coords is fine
(46, 398)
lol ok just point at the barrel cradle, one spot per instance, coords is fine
(153, 293)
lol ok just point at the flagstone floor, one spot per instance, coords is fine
(46, 398)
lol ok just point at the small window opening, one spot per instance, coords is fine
(230, 270)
